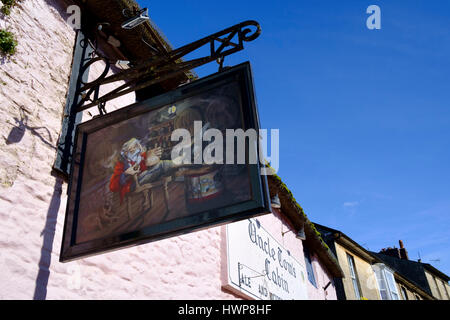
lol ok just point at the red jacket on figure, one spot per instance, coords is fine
(121, 183)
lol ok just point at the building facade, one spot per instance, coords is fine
(35, 84)
(387, 275)
(360, 281)
(425, 276)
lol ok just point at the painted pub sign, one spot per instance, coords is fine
(166, 166)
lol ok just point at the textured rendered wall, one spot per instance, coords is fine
(33, 86)
(322, 279)
(367, 279)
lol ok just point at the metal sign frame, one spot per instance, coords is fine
(258, 204)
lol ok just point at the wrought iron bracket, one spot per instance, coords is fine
(164, 66)
(71, 118)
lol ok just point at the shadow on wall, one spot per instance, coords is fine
(18, 131)
(15, 136)
(61, 6)
(48, 233)
(3, 60)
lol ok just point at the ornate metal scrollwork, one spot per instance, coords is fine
(164, 66)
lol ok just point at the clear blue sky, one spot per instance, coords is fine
(364, 115)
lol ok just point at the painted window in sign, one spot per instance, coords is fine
(260, 267)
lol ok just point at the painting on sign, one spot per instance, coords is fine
(260, 267)
(148, 171)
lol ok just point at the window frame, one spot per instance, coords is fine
(382, 274)
(309, 266)
(393, 290)
(445, 288)
(354, 276)
(404, 293)
(437, 288)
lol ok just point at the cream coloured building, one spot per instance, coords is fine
(378, 276)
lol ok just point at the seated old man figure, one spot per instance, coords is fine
(136, 161)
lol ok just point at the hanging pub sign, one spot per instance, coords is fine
(184, 160)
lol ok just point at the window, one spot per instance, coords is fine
(445, 288)
(437, 288)
(404, 293)
(386, 282)
(354, 276)
(391, 284)
(309, 266)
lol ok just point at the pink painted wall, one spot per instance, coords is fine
(32, 201)
(276, 225)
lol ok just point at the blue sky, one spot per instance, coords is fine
(364, 115)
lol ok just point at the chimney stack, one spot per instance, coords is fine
(403, 252)
(392, 252)
(395, 252)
